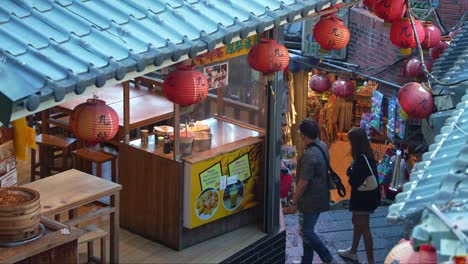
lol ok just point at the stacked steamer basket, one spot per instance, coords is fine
(20, 214)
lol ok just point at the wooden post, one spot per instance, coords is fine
(176, 132)
(126, 112)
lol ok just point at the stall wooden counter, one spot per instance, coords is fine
(153, 187)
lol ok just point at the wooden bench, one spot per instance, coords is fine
(92, 234)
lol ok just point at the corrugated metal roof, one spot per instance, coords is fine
(52, 48)
(434, 203)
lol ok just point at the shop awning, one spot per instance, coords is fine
(51, 51)
(433, 204)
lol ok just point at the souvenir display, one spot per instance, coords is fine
(400, 122)
(376, 112)
(392, 107)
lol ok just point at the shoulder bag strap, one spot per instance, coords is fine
(368, 165)
(323, 154)
(335, 178)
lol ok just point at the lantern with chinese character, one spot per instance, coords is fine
(416, 100)
(440, 47)
(390, 10)
(319, 83)
(186, 86)
(94, 122)
(331, 33)
(414, 67)
(343, 88)
(401, 35)
(268, 56)
(432, 37)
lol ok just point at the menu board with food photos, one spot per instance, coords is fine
(222, 185)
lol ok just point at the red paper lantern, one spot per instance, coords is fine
(416, 100)
(94, 121)
(402, 35)
(337, 6)
(319, 83)
(331, 33)
(390, 10)
(432, 37)
(343, 88)
(268, 56)
(414, 67)
(440, 47)
(403, 252)
(185, 86)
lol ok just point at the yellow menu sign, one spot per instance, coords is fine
(211, 177)
(223, 185)
(240, 167)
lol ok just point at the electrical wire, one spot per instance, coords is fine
(429, 76)
(441, 25)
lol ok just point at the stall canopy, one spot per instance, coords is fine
(433, 204)
(51, 51)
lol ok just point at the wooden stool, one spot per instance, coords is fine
(47, 145)
(98, 157)
(93, 233)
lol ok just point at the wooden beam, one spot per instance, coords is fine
(126, 112)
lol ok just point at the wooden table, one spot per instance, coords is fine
(52, 247)
(146, 107)
(71, 189)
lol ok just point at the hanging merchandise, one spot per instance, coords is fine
(400, 121)
(366, 124)
(384, 170)
(392, 107)
(376, 111)
(398, 174)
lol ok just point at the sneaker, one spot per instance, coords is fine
(346, 253)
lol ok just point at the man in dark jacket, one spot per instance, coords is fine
(312, 194)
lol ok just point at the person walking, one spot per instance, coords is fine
(312, 194)
(362, 203)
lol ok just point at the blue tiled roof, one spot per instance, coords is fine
(452, 66)
(440, 180)
(51, 48)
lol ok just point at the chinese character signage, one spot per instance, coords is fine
(234, 49)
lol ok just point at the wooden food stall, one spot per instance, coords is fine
(160, 195)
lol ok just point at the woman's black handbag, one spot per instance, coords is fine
(334, 181)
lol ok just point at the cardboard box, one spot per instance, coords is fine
(9, 179)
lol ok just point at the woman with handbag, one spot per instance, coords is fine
(365, 193)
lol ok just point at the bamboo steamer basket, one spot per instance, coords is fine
(20, 214)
